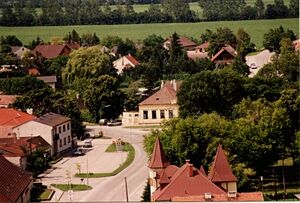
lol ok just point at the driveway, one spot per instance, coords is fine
(109, 188)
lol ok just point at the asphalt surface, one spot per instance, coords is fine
(96, 160)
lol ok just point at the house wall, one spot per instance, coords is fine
(130, 118)
(120, 64)
(47, 132)
(18, 161)
(229, 186)
(5, 131)
(167, 109)
(152, 181)
(25, 196)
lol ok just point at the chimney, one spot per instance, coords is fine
(191, 170)
(231, 194)
(174, 85)
(162, 84)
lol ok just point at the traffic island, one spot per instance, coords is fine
(127, 147)
(74, 187)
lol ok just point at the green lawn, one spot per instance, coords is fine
(256, 28)
(74, 187)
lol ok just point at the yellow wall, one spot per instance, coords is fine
(157, 109)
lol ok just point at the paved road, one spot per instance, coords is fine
(113, 188)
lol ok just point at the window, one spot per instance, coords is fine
(153, 114)
(64, 128)
(68, 126)
(171, 114)
(145, 114)
(59, 129)
(162, 113)
(60, 143)
(65, 141)
(69, 139)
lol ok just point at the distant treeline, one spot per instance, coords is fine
(87, 12)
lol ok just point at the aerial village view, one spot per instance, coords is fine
(149, 100)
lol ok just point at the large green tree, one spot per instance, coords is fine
(104, 91)
(86, 63)
(210, 91)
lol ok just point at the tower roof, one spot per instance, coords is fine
(221, 171)
(158, 158)
(202, 170)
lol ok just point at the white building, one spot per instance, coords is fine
(124, 62)
(54, 128)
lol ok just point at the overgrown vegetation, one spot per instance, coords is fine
(74, 187)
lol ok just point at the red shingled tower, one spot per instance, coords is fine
(158, 159)
(221, 173)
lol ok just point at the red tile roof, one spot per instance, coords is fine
(158, 158)
(132, 59)
(13, 181)
(73, 45)
(166, 95)
(226, 48)
(241, 197)
(52, 51)
(205, 45)
(5, 100)
(186, 42)
(164, 179)
(202, 170)
(187, 181)
(221, 171)
(170, 171)
(12, 117)
(33, 71)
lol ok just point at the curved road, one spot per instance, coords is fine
(113, 188)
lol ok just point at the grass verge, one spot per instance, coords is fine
(131, 154)
(143, 127)
(74, 187)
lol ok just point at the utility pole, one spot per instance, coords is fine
(283, 179)
(126, 189)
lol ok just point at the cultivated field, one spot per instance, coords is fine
(256, 28)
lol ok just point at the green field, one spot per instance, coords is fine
(256, 28)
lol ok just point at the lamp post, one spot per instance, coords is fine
(45, 156)
(262, 184)
(100, 132)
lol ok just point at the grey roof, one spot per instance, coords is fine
(48, 79)
(52, 119)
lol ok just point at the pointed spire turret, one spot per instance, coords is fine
(158, 158)
(221, 171)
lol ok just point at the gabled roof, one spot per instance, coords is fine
(221, 171)
(186, 181)
(241, 197)
(7, 99)
(164, 179)
(158, 158)
(205, 45)
(169, 171)
(229, 49)
(186, 42)
(52, 119)
(33, 71)
(73, 45)
(166, 95)
(13, 181)
(132, 59)
(13, 147)
(202, 170)
(12, 117)
(52, 50)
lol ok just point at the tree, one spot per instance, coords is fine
(179, 10)
(260, 8)
(146, 197)
(101, 92)
(175, 49)
(274, 36)
(45, 100)
(294, 8)
(244, 44)
(240, 66)
(10, 40)
(89, 39)
(210, 91)
(86, 63)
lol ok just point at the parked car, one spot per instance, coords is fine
(102, 121)
(87, 143)
(78, 152)
(114, 123)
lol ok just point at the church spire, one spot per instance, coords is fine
(158, 158)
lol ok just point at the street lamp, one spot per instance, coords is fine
(100, 132)
(262, 184)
